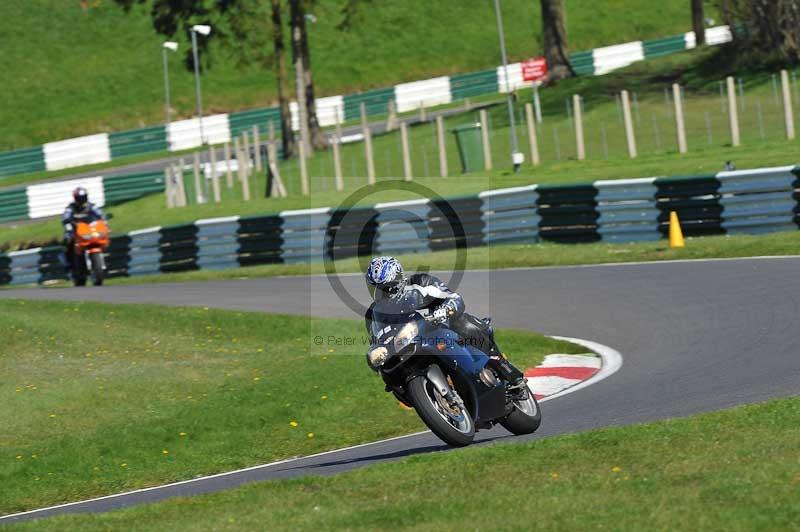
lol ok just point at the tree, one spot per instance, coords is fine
(301, 53)
(698, 22)
(247, 27)
(766, 30)
(554, 36)
(282, 77)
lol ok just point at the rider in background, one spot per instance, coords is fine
(386, 278)
(80, 210)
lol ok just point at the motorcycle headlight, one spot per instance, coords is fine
(377, 356)
(406, 335)
(87, 236)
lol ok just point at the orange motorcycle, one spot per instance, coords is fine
(90, 242)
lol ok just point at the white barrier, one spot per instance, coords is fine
(80, 151)
(185, 134)
(50, 199)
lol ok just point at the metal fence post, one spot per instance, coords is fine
(487, 150)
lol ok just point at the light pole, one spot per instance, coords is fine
(169, 45)
(516, 156)
(205, 30)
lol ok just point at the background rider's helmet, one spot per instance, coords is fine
(385, 274)
(80, 195)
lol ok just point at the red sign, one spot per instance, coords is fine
(534, 69)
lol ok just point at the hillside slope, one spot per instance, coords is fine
(71, 72)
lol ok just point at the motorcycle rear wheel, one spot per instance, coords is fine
(526, 417)
(424, 396)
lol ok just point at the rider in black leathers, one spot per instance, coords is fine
(385, 278)
(80, 210)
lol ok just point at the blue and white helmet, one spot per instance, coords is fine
(386, 273)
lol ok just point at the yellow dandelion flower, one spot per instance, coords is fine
(165, 451)
(554, 475)
(123, 464)
(52, 415)
(293, 423)
(182, 434)
(19, 457)
(256, 378)
(616, 469)
(310, 434)
(324, 397)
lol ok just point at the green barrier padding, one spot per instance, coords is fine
(138, 141)
(582, 63)
(376, 102)
(118, 189)
(22, 161)
(662, 47)
(13, 205)
(473, 84)
(245, 120)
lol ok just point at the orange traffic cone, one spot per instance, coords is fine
(675, 233)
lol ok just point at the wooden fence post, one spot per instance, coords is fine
(406, 151)
(367, 145)
(391, 120)
(440, 140)
(257, 149)
(301, 158)
(169, 187)
(179, 179)
(246, 151)
(228, 173)
(733, 112)
(243, 178)
(788, 116)
(579, 142)
(199, 189)
(337, 157)
(533, 143)
(679, 126)
(629, 134)
(212, 158)
(487, 150)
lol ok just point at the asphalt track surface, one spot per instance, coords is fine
(695, 336)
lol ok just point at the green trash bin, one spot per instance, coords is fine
(470, 147)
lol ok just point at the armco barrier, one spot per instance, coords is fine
(627, 210)
(185, 134)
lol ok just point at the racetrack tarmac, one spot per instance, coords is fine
(695, 336)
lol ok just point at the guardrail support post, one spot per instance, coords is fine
(442, 146)
(629, 134)
(367, 145)
(487, 150)
(406, 151)
(788, 116)
(212, 161)
(679, 126)
(246, 152)
(579, 144)
(533, 143)
(733, 112)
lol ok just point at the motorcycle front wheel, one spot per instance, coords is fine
(526, 417)
(98, 269)
(79, 272)
(452, 424)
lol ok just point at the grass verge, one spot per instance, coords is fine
(100, 398)
(729, 470)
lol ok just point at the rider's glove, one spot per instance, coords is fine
(440, 314)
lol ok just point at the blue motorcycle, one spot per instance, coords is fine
(445, 379)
